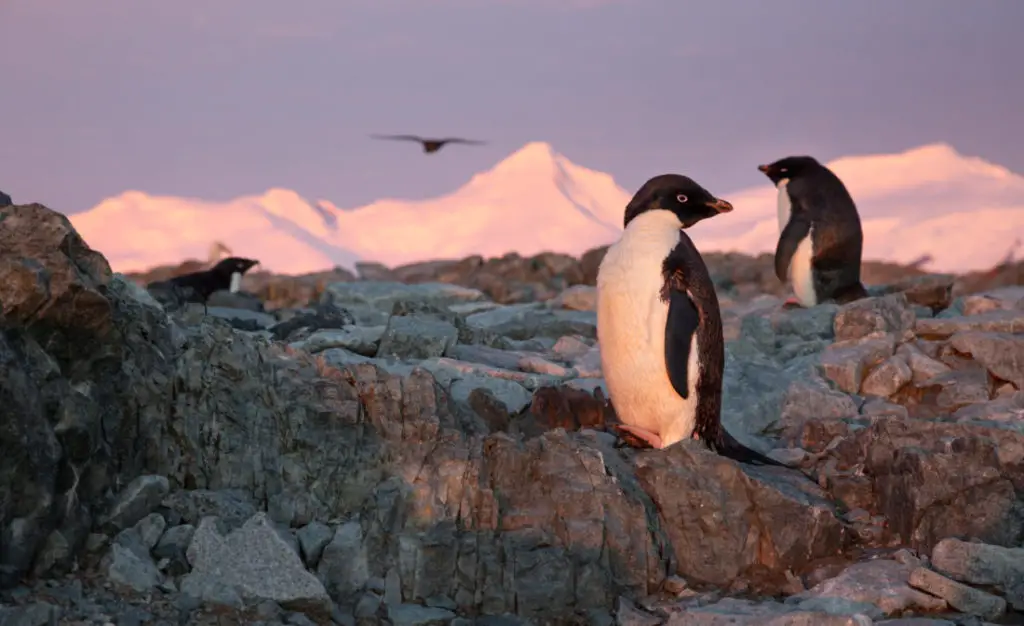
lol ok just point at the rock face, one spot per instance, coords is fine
(412, 450)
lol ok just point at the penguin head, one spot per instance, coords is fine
(789, 167)
(678, 194)
(233, 264)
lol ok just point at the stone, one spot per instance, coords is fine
(577, 298)
(362, 340)
(173, 546)
(887, 378)
(239, 318)
(877, 588)
(35, 614)
(344, 565)
(846, 362)
(522, 321)
(890, 314)
(996, 321)
(136, 500)
(416, 615)
(983, 564)
(706, 501)
(258, 563)
(512, 396)
(413, 337)
(959, 596)
(1005, 298)
(958, 388)
(382, 295)
(231, 507)
(313, 538)
(923, 367)
(1001, 353)
(735, 612)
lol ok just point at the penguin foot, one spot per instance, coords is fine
(792, 303)
(636, 437)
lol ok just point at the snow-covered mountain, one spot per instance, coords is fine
(963, 211)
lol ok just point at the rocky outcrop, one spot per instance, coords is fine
(414, 451)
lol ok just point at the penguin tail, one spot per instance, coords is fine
(729, 446)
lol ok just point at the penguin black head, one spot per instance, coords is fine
(232, 264)
(789, 167)
(678, 194)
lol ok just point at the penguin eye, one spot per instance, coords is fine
(682, 198)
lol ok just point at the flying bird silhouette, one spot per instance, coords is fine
(430, 145)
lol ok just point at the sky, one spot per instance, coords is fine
(222, 98)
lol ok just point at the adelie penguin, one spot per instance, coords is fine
(820, 236)
(199, 286)
(659, 326)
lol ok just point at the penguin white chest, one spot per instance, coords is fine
(631, 319)
(800, 275)
(236, 282)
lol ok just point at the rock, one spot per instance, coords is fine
(983, 564)
(358, 339)
(523, 321)
(924, 367)
(1006, 298)
(416, 615)
(137, 500)
(1001, 353)
(959, 596)
(887, 378)
(957, 388)
(997, 321)
(706, 501)
(737, 612)
(877, 588)
(888, 314)
(512, 396)
(244, 559)
(407, 337)
(173, 546)
(237, 300)
(934, 291)
(627, 614)
(382, 295)
(35, 614)
(577, 298)
(846, 362)
(230, 506)
(5, 200)
(313, 538)
(324, 317)
(242, 319)
(129, 563)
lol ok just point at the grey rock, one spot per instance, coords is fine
(997, 321)
(890, 314)
(737, 612)
(231, 507)
(127, 567)
(35, 614)
(5, 200)
(959, 596)
(983, 564)
(382, 295)
(1004, 298)
(512, 396)
(524, 321)
(244, 558)
(846, 362)
(344, 565)
(150, 529)
(137, 500)
(577, 298)
(243, 318)
(212, 589)
(362, 340)
(414, 337)
(887, 378)
(173, 546)
(1001, 353)
(313, 538)
(416, 615)
(924, 367)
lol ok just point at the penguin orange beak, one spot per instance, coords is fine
(764, 168)
(720, 205)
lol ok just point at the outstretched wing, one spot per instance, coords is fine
(473, 142)
(796, 229)
(399, 137)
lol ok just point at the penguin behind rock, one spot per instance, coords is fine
(820, 236)
(659, 327)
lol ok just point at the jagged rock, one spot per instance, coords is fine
(982, 564)
(382, 295)
(5, 200)
(407, 337)
(961, 597)
(362, 340)
(887, 314)
(996, 321)
(745, 613)
(1001, 353)
(887, 378)
(846, 362)
(577, 298)
(875, 588)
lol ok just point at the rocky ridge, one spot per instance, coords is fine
(408, 449)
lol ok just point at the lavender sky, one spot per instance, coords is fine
(220, 98)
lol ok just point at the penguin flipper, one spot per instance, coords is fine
(789, 240)
(680, 327)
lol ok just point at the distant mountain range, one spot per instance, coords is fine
(964, 212)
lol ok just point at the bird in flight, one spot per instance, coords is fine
(430, 145)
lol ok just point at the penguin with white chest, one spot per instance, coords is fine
(659, 326)
(820, 236)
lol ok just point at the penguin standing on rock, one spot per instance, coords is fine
(659, 327)
(820, 237)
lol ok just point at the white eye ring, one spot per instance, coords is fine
(783, 170)
(682, 198)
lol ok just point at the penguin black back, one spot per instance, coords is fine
(822, 211)
(204, 283)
